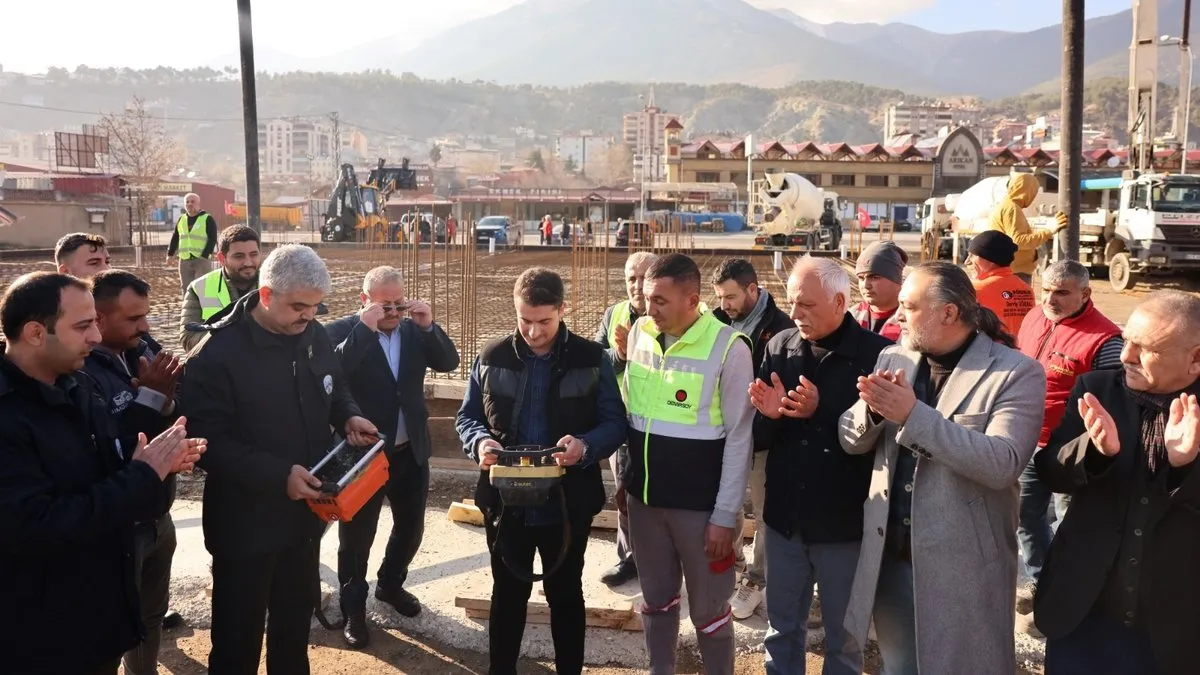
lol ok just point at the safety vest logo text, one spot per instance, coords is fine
(680, 401)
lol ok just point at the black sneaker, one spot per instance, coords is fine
(405, 603)
(624, 571)
(172, 619)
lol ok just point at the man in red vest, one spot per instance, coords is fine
(1069, 337)
(880, 272)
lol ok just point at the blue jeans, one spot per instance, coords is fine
(1034, 531)
(895, 616)
(796, 567)
(1100, 646)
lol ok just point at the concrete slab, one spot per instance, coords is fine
(453, 561)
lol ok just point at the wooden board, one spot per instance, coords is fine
(539, 613)
(466, 512)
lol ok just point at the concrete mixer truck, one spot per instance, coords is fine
(796, 215)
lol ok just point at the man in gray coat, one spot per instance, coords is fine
(952, 417)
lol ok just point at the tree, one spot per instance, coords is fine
(570, 166)
(535, 160)
(141, 151)
(435, 155)
(618, 165)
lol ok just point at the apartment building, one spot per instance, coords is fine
(926, 120)
(585, 149)
(645, 134)
(296, 148)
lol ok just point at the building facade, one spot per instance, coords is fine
(296, 148)
(927, 120)
(886, 182)
(645, 134)
(587, 151)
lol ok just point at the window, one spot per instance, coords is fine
(910, 181)
(814, 178)
(877, 181)
(843, 180)
(737, 177)
(708, 177)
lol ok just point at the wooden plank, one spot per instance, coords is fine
(465, 513)
(539, 613)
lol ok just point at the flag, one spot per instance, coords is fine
(864, 219)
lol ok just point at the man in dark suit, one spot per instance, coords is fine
(1119, 591)
(384, 355)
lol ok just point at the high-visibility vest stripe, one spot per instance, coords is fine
(213, 293)
(192, 241)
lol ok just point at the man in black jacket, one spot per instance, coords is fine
(750, 309)
(264, 387)
(548, 387)
(384, 356)
(815, 492)
(138, 382)
(70, 491)
(1119, 592)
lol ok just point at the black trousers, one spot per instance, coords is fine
(406, 490)
(510, 595)
(283, 584)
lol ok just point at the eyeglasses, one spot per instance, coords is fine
(395, 308)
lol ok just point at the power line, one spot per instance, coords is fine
(173, 119)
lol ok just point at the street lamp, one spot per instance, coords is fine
(1185, 95)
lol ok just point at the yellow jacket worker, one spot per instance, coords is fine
(1009, 218)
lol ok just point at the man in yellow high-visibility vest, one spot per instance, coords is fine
(193, 240)
(238, 251)
(685, 468)
(613, 335)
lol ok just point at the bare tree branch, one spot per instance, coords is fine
(141, 151)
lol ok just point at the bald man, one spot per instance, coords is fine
(193, 241)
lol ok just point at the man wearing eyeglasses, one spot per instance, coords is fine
(385, 350)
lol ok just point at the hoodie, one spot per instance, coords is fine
(1009, 218)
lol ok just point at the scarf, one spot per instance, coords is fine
(748, 324)
(1153, 409)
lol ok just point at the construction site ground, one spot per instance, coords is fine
(471, 293)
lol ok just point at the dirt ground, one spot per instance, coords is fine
(185, 652)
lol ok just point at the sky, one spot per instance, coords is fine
(150, 33)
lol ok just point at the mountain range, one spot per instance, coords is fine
(572, 42)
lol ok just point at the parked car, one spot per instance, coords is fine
(642, 234)
(904, 226)
(500, 228)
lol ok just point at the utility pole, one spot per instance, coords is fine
(249, 116)
(1070, 157)
(337, 145)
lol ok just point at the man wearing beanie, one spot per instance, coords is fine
(880, 272)
(998, 288)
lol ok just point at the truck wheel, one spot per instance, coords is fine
(1120, 272)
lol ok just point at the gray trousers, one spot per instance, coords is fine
(191, 270)
(789, 597)
(152, 571)
(756, 569)
(624, 544)
(670, 545)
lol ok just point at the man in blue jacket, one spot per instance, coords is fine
(384, 355)
(543, 385)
